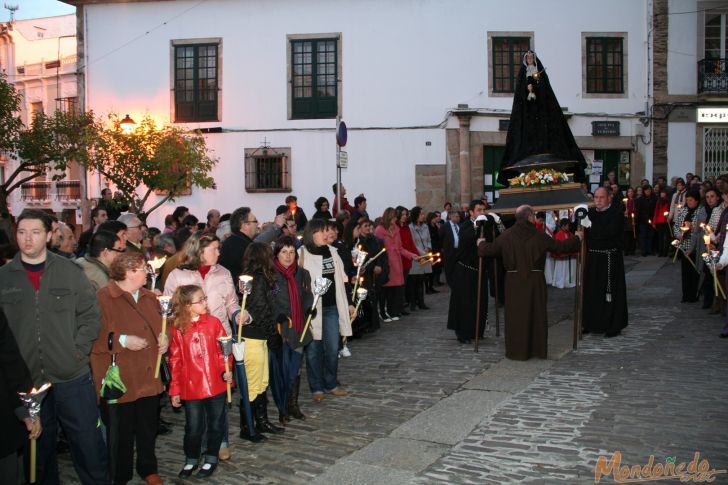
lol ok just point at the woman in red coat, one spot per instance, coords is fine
(389, 232)
(408, 244)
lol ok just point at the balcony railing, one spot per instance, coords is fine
(68, 190)
(37, 190)
(41, 191)
(713, 76)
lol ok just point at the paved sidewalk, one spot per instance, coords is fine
(425, 409)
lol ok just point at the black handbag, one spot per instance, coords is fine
(165, 372)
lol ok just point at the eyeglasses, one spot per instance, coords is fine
(115, 250)
(201, 300)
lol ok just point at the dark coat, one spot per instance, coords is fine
(523, 250)
(231, 254)
(56, 326)
(463, 308)
(447, 242)
(282, 305)
(604, 273)
(14, 378)
(261, 308)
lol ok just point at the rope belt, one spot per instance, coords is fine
(471, 268)
(608, 252)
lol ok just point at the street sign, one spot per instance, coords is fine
(341, 134)
(343, 159)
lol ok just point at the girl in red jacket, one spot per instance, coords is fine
(198, 376)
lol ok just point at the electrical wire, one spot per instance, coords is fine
(134, 39)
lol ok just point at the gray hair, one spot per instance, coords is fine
(524, 212)
(128, 219)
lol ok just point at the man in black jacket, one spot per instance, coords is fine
(244, 226)
(14, 378)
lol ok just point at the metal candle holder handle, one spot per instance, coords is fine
(361, 295)
(32, 400)
(320, 286)
(165, 304)
(226, 344)
(372, 259)
(245, 286)
(676, 243)
(153, 267)
(359, 263)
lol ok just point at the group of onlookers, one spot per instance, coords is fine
(85, 316)
(685, 219)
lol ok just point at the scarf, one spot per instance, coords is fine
(293, 297)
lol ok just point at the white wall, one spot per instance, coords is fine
(682, 55)
(405, 65)
(680, 149)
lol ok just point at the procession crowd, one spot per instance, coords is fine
(199, 314)
(684, 219)
(130, 318)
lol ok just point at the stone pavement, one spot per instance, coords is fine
(425, 409)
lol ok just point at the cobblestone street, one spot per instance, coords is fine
(424, 409)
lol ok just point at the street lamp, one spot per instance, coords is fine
(127, 125)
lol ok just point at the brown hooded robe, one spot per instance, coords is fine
(523, 251)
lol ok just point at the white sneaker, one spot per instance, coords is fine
(395, 319)
(345, 352)
(386, 318)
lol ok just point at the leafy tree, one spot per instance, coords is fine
(150, 159)
(49, 144)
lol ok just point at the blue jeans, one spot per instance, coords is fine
(197, 413)
(73, 404)
(322, 356)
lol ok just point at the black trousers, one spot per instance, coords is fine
(663, 239)
(129, 424)
(415, 289)
(391, 301)
(690, 279)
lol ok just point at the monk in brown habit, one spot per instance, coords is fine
(523, 250)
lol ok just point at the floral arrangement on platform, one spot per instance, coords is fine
(540, 178)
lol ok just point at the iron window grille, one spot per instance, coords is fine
(267, 170)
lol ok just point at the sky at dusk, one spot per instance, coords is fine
(30, 9)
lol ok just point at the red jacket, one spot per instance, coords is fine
(562, 235)
(196, 360)
(662, 210)
(408, 244)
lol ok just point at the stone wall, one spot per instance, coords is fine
(430, 188)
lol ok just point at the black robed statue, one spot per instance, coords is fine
(538, 134)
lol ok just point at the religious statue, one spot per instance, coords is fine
(538, 134)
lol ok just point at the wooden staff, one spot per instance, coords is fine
(477, 308)
(497, 300)
(579, 297)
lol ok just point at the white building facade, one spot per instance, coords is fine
(38, 56)
(691, 87)
(425, 88)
